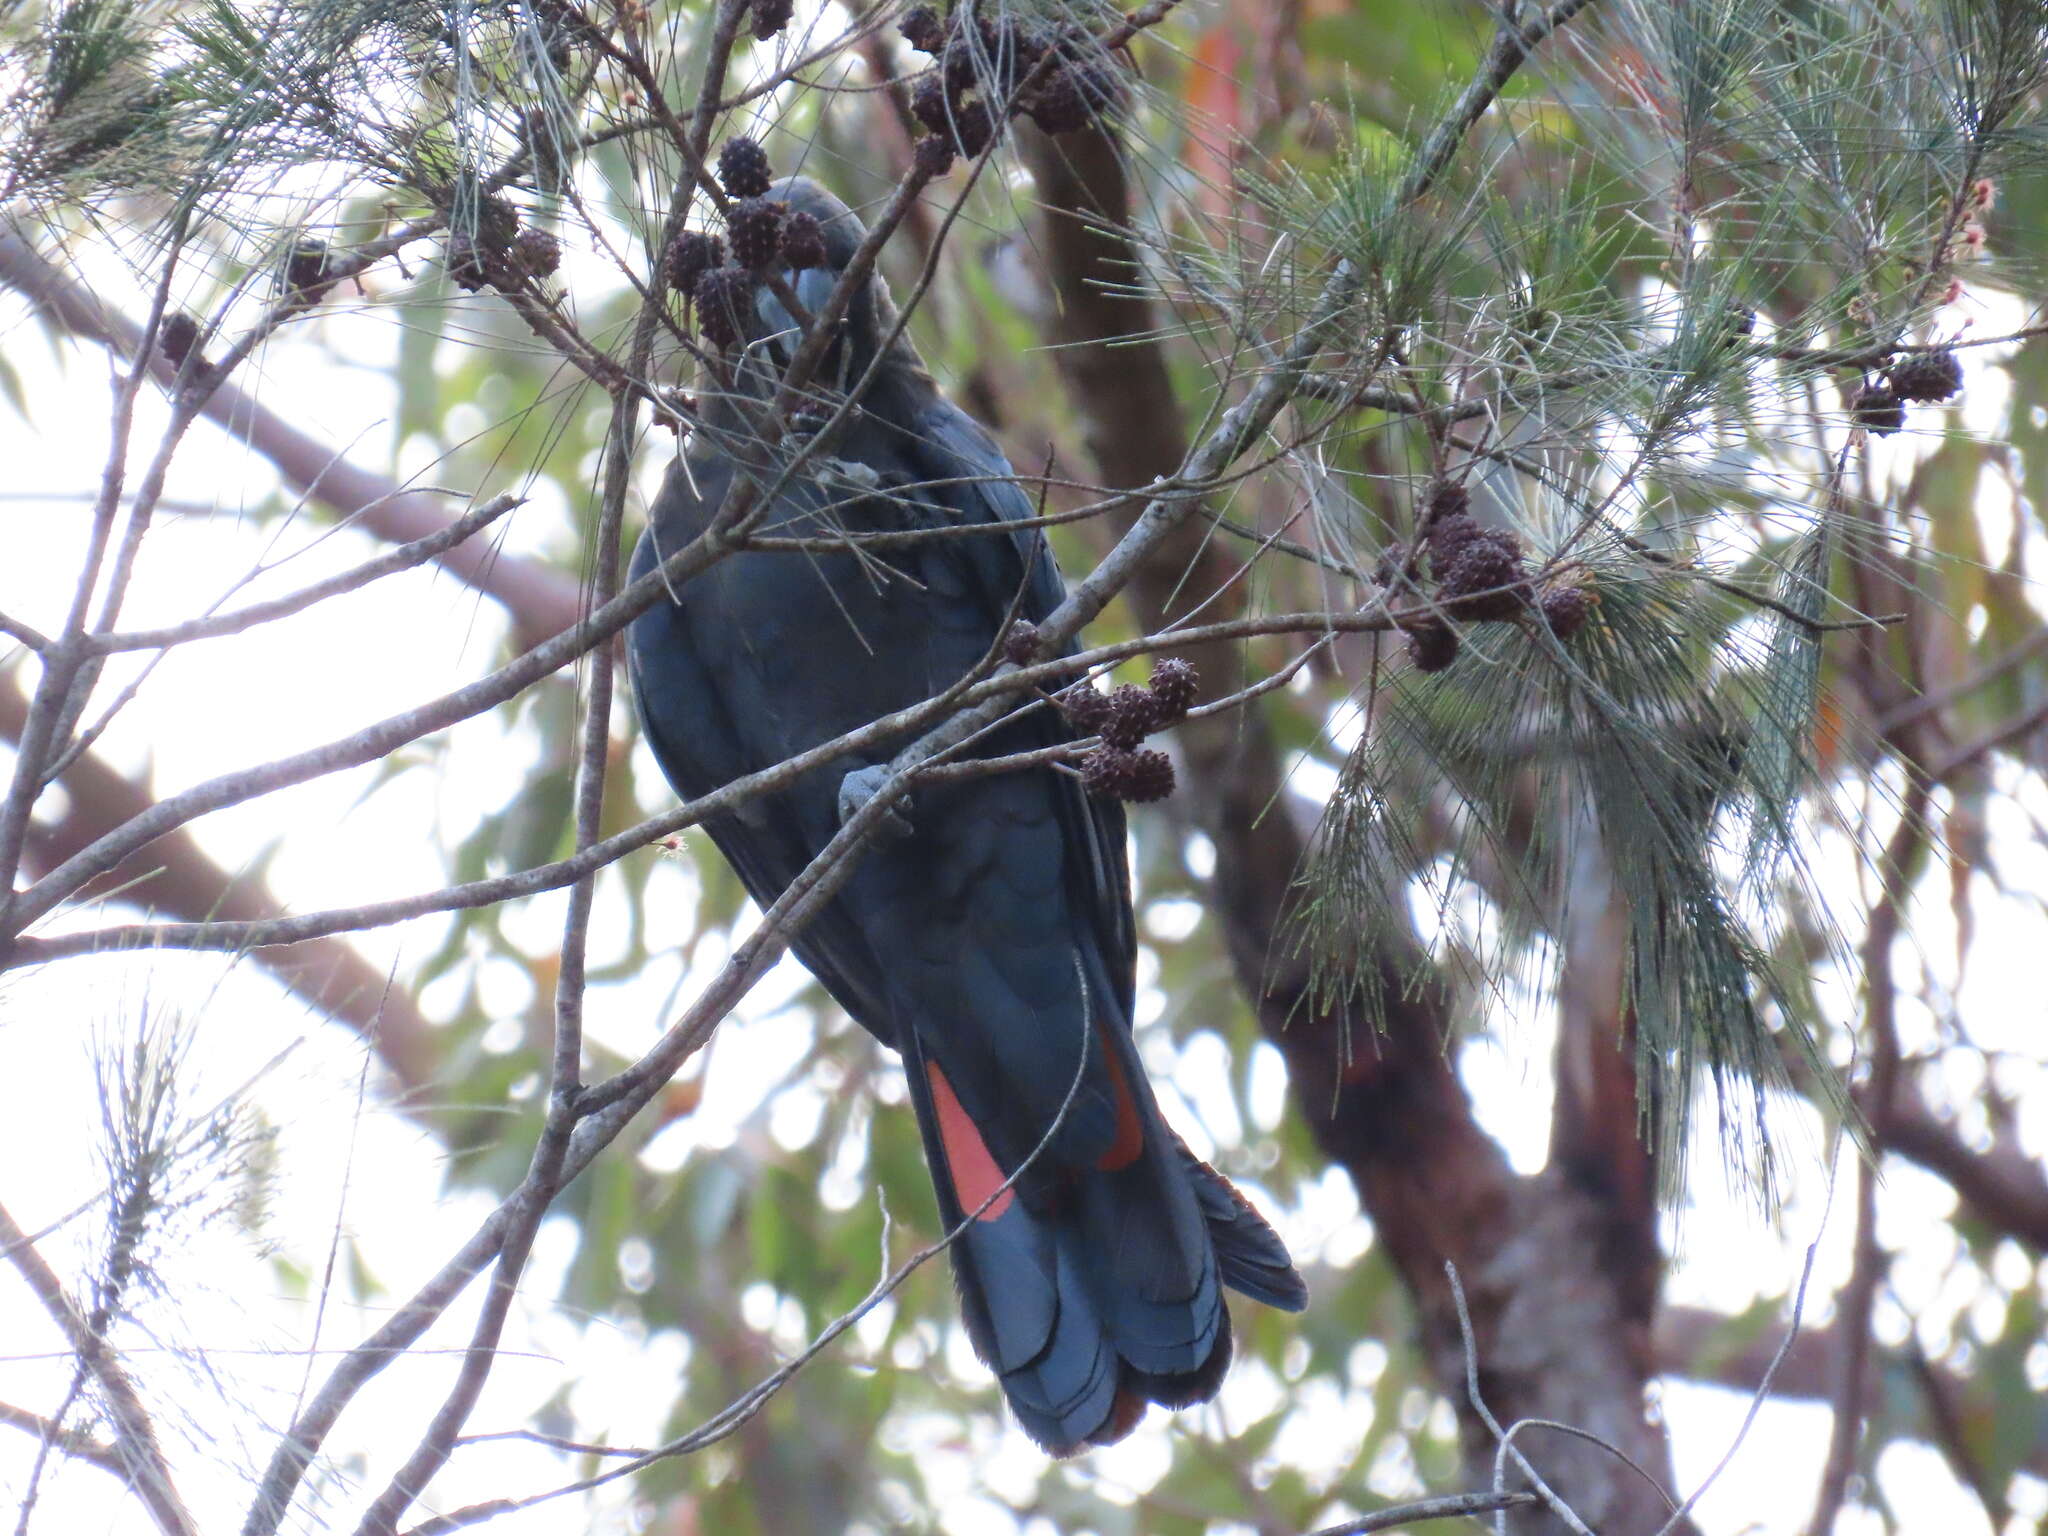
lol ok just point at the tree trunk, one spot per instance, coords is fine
(1561, 1329)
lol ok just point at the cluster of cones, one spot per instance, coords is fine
(1917, 378)
(498, 252)
(1479, 575)
(1123, 768)
(986, 69)
(717, 277)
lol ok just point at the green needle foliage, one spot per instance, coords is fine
(1647, 405)
(1645, 329)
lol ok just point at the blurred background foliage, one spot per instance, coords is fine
(751, 1207)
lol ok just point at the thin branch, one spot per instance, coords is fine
(735, 1414)
(541, 600)
(27, 634)
(372, 742)
(58, 696)
(1511, 48)
(1859, 1296)
(2003, 1186)
(1928, 703)
(403, 558)
(1507, 1440)
(1449, 1506)
(1759, 1397)
(530, 1204)
(998, 691)
(141, 1457)
(74, 1444)
(1557, 1506)
(544, 1175)
(599, 1115)
(2010, 734)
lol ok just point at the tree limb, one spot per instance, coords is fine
(541, 600)
(142, 1458)
(174, 875)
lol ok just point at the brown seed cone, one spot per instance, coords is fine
(973, 128)
(1085, 707)
(933, 155)
(689, 256)
(1174, 684)
(537, 253)
(743, 168)
(770, 17)
(1926, 376)
(177, 337)
(922, 29)
(305, 271)
(1447, 537)
(932, 104)
(1057, 105)
(723, 295)
(497, 223)
(465, 263)
(1484, 581)
(1565, 610)
(803, 241)
(1118, 773)
(754, 227)
(1132, 716)
(957, 63)
(1150, 777)
(1877, 410)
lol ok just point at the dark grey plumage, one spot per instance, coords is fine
(992, 942)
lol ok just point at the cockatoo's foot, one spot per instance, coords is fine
(862, 785)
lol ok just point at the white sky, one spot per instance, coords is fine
(233, 1355)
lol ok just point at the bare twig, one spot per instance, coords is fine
(540, 599)
(1758, 1398)
(1859, 1296)
(135, 1441)
(1507, 1440)
(27, 634)
(2008, 734)
(403, 558)
(996, 695)
(596, 1117)
(1557, 1506)
(1449, 1506)
(528, 1205)
(75, 1444)
(735, 1414)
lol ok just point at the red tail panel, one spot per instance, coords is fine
(1130, 1126)
(975, 1173)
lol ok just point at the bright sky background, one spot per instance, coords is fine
(232, 1358)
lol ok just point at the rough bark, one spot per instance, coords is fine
(1559, 1334)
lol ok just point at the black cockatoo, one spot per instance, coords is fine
(990, 941)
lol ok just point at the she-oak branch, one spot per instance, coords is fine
(588, 1120)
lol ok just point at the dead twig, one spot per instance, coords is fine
(141, 1456)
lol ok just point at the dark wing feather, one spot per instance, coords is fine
(994, 944)
(704, 735)
(968, 473)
